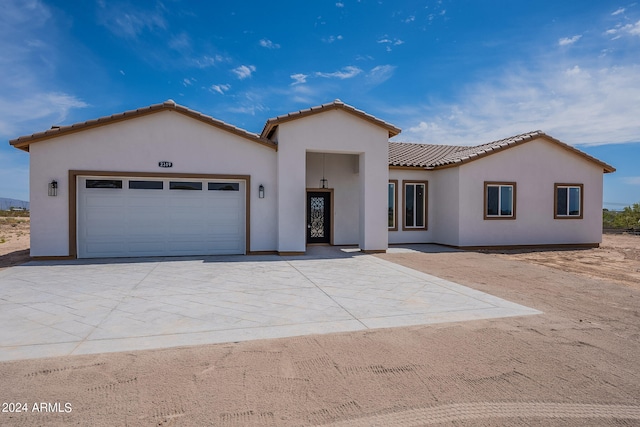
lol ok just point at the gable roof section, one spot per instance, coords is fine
(428, 156)
(23, 142)
(272, 124)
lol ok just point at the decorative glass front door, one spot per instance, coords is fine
(318, 217)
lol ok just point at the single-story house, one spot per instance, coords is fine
(166, 180)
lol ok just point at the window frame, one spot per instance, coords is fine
(91, 183)
(235, 186)
(395, 205)
(425, 208)
(556, 186)
(141, 184)
(175, 185)
(499, 184)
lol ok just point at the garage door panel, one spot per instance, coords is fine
(108, 248)
(127, 222)
(110, 199)
(146, 203)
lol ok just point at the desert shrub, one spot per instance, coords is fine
(627, 218)
(14, 214)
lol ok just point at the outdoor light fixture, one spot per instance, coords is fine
(261, 191)
(53, 188)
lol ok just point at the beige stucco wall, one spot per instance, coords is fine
(535, 167)
(338, 132)
(415, 236)
(138, 145)
(456, 199)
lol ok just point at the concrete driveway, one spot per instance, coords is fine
(94, 306)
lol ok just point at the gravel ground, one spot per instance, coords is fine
(576, 365)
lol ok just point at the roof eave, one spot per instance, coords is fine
(23, 142)
(275, 121)
(539, 134)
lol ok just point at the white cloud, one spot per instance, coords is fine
(390, 42)
(345, 73)
(27, 101)
(181, 42)
(331, 39)
(249, 103)
(205, 61)
(339, 4)
(633, 29)
(619, 30)
(127, 21)
(579, 104)
(299, 78)
(221, 89)
(618, 11)
(244, 71)
(573, 71)
(269, 44)
(410, 19)
(380, 74)
(567, 41)
(632, 180)
(188, 81)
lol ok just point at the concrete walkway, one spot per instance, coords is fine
(94, 306)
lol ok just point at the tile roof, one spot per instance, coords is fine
(23, 142)
(272, 123)
(418, 155)
(430, 156)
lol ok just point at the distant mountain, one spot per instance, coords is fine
(6, 204)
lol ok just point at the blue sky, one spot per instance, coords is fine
(451, 72)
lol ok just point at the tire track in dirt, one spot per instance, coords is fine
(240, 419)
(485, 410)
(61, 370)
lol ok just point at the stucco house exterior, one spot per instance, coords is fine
(165, 180)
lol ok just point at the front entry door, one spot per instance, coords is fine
(318, 217)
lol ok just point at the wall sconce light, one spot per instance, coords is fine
(53, 188)
(261, 191)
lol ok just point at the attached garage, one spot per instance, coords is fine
(133, 216)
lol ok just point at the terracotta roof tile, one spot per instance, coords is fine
(272, 123)
(417, 155)
(430, 156)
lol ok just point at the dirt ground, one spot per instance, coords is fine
(577, 364)
(14, 241)
(617, 259)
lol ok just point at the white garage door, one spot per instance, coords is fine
(133, 217)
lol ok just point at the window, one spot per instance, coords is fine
(499, 200)
(568, 201)
(393, 203)
(146, 185)
(415, 206)
(103, 183)
(224, 186)
(181, 185)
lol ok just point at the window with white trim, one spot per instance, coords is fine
(499, 200)
(415, 205)
(568, 201)
(392, 205)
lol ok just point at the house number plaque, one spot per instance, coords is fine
(165, 164)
